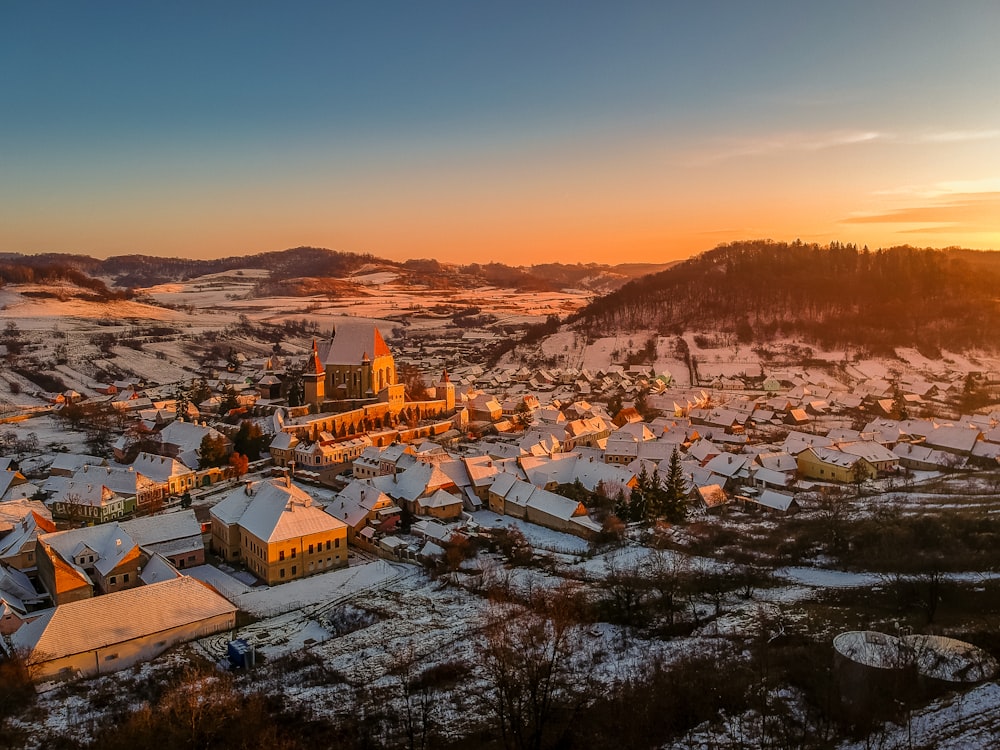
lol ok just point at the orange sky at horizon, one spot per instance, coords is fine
(646, 133)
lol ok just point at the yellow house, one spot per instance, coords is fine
(831, 465)
(278, 531)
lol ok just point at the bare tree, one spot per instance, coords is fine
(535, 672)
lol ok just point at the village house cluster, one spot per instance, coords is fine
(351, 464)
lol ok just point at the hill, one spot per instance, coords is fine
(830, 296)
(311, 263)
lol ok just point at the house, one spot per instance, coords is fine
(421, 480)
(923, 458)
(17, 547)
(182, 440)
(175, 536)
(512, 497)
(957, 440)
(278, 531)
(87, 501)
(168, 475)
(67, 464)
(98, 636)
(484, 408)
(441, 505)
(781, 502)
(876, 454)
(140, 492)
(360, 506)
(712, 497)
(832, 465)
(282, 448)
(18, 600)
(81, 563)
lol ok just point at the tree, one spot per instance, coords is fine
(295, 389)
(249, 440)
(239, 463)
(199, 391)
(212, 451)
(229, 401)
(674, 506)
(535, 675)
(410, 376)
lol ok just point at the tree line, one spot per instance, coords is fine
(830, 295)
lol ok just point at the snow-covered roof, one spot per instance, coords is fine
(119, 617)
(110, 543)
(276, 510)
(165, 527)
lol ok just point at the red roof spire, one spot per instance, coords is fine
(315, 366)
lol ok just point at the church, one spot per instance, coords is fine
(357, 362)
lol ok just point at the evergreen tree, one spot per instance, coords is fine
(229, 401)
(674, 494)
(249, 440)
(212, 452)
(638, 501)
(622, 509)
(657, 496)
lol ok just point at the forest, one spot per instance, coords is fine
(830, 296)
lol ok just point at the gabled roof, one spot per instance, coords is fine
(165, 527)
(353, 340)
(776, 500)
(159, 468)
(275, 510)
(440, 499)
(119, 617)
(109, 541)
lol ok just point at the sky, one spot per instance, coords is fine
(519, 132)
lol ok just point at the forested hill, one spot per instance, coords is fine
(131, 271)
(830, 296)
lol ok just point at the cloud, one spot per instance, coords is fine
(966, 212)
(822, 141)
(958, 136)
(803, 142)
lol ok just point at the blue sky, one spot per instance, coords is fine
(472, 131)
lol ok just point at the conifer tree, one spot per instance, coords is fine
(674, 500)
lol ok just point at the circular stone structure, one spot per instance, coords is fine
(950, 660)
(872, 649)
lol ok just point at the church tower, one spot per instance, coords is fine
(446, 392)
(314, 379)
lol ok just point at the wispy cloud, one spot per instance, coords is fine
(822, 141)
(805, 142)
(957, 136)
(958, 212)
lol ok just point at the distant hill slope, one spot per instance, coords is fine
(831, 296)
(131, 271)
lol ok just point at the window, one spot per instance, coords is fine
(295, 569)
(281, 555)
(336, 542)
(281, 573)
(110, 657)
(310, 549)
(328, 544)
(125, 578)
(293, 551)
(113, 580)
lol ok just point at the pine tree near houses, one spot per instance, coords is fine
(674, 491)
